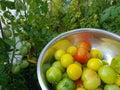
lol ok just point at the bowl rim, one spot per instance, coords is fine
(60, 36)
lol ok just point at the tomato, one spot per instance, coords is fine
(90, 79)
(71, 50)
(79, 83)
(53, 75)
(115, 64)
(23, 50)
(74, 71)
(15, 69)
(24, 64)
(95, 53)
(7, 33)
(65, 84)
(58, 54)
(80, 89)
(28, 45)
(111, 87)
(82, 55)
(58, 64)
(94, 63)
(66, 60)
(117, 82)
(107, 74)
(85, 45)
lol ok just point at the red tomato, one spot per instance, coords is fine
(79, 83)
(82, 55)
(85, 45)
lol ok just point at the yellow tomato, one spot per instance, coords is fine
(71, 50)
(95, 53)
(74, 71)
(94, 63)
(66, 60)
(117, 82)
(80, 89)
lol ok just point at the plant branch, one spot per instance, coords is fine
(1, 29)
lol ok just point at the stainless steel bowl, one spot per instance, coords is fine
(108, 43)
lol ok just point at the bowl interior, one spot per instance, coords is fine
(107, 42)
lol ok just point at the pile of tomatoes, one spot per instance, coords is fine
(82, 68)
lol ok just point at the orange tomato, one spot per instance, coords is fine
(82, 55)
(84, 44)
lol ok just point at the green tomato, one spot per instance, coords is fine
(28, 45)
(7, 33)
(23, 50)
(66, 84)
(58, 65)
(24, 64)
(107, 74)
(59, 53)
(15, 69)
(53, 75)
(111, 87)
(115, 64)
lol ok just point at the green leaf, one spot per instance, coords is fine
(9, 41)
(2, 5)
(4, 79)
(19, 5)
(44, 7)
(2, 68)
(10, 4)
(3, 20)
(105, 17)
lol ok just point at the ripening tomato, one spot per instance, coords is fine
(79, 83)
(85, 45)
(82, 55)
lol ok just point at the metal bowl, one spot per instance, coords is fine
(108, 43)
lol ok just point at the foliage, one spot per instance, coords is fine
(37, 22)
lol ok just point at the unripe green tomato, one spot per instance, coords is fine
(7, 33)
(28, 45)
(23, 50)
(15, 69)
(24, 64)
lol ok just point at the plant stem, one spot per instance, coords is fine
(14, 46)
(3, 39)
(1, 29)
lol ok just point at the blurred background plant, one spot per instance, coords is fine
(28, 25)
